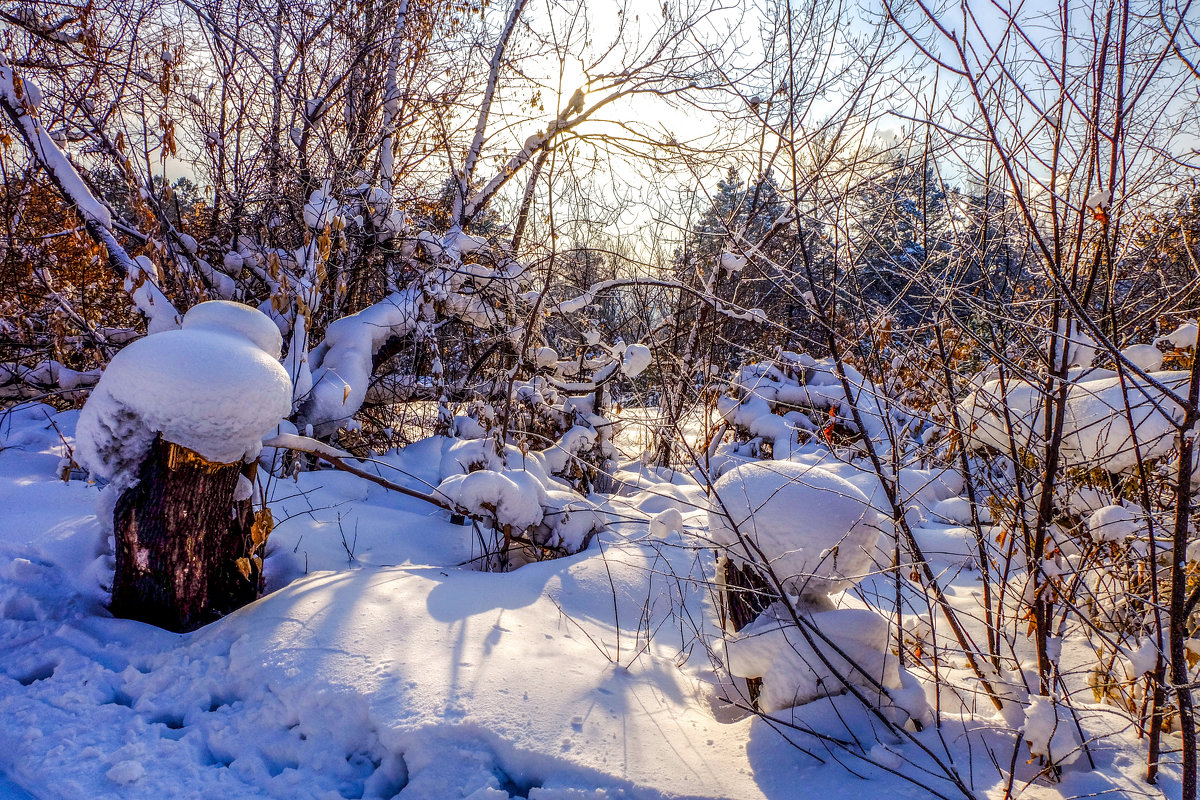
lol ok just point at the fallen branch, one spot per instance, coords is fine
(339, 459)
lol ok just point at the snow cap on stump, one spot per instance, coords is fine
(816, 530)
(214, 386)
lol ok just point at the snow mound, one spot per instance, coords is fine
(210, 386)
(816, 530)
(835, 648)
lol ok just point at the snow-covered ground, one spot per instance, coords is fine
(381, 664)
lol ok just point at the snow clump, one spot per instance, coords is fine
(1184, 336)
(816, 530)
(732, 263)
(322, 207)
(635, 360)
(1050, 735)
(1145, 357)
(214, 386)
(1114, 524)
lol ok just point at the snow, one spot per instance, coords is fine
(1097, 432)
(958, 510)
(236, 319)
(1145, 357)
(1050, 732)
(1081, 348)
(232, 263)
(495, 494)
(124, 772)
(397, 671)
(48, 151)
(1114, 524)
(635, 360)
(826, 549)
(213, 386)
(849, 644)
(667, 521)
(1183, 336)
(322, 207)
(732, 263)
(342, 363)
(1099, 199)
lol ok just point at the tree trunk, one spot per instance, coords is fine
(187, 552)
(746, 594)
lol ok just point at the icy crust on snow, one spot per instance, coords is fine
(816, 530)
(1096, 431)
(209, 386)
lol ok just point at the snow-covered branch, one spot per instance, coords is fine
(20, 100)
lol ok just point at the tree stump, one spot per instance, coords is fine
(187, 552)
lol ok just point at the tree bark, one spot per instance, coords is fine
(746, 594)
(186, 551)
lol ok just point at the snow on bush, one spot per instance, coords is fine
(1184, 336)
(732, 263)
(517, 493)
(794, 397)
(513, 498)
(1096, 432)
(635, 360)
(322, 207)
(214, 386)
(1114, 524)
(815, 530)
